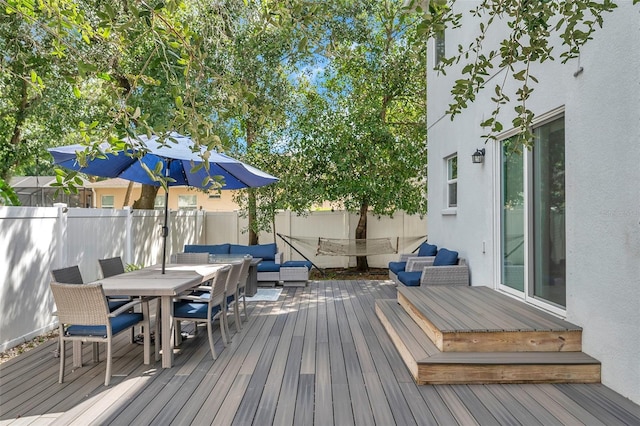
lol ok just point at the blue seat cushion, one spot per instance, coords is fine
(231, 298)
(427, 249)
(264, 251)
(446, 257)
(410, 279)
(298, 264)
(268, 266)
(212, 249)
(196, 310)
(119, 323)
(396, 267)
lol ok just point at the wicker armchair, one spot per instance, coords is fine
(420, 271)
(84, 316)
(193, 258)
(206, 307)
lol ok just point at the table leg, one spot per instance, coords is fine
(167, 331)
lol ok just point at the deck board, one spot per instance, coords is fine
(318, 355)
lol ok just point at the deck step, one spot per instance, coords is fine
(428, 365)
(479, 319)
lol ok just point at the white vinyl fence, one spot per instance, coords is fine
(35, 240)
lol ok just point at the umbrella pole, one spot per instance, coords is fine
(165, 230)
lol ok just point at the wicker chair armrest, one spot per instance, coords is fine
(418, 263)
(445, 275)
(127, 307)
(192, 297)
(279, 258)
(405, 256)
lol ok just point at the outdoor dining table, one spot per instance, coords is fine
(150, 282)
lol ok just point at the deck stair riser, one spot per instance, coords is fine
(476, 326)
(420, 351)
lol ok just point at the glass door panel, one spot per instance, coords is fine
(549, 238)
(512, 220)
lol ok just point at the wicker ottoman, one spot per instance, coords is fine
(294, 276)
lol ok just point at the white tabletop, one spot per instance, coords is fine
(150, 281)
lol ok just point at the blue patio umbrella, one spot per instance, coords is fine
(177, 160)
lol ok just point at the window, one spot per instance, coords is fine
(107, 201)
(438, 48)
(187, 202)
(452, 182)
(158, 203)
(214, 196)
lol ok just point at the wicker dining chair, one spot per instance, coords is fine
(111, 266)
(207, 306)
(242, 285)
(84, 316)
(232, 295)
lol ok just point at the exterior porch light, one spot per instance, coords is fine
(478, 156)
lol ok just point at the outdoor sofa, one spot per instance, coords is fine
(271, 269)
(445, 268)
(425, 249)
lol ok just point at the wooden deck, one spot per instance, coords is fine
(317, 356)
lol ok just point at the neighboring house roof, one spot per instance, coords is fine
(30, 184)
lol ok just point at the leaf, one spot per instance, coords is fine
(76, 92)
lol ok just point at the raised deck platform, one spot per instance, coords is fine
(477, 335)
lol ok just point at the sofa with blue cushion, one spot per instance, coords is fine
(445, 268)
(270, 270)
(425, 250)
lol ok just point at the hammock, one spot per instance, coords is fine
(352, 247)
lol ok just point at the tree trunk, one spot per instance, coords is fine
(252, 204)
(361, 234)
(128, 194)
(147, 197)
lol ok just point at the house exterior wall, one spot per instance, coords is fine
(601, 106)
(204, 202)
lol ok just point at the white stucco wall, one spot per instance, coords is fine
(602, 134)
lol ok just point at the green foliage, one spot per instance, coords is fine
(360, 128)
(532, 25)
(8, 196)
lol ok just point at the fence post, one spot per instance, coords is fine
(61, 256)
(128, 236)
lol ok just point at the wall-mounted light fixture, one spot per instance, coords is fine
(478, 156)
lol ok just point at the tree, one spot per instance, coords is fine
(363, 130)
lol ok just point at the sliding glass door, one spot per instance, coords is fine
(532, 221)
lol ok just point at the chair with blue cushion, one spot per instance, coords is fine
(205, 307)
(84, 316)
(71, 275)
(242, 284)
(446, 268)
(231, 292)
(425, 250)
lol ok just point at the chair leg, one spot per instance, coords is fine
(223, 325)
(107, 378)
(210, 336)
(226, 321)
(236, 311)
(244, 308)
(62, 357)
(157, 331)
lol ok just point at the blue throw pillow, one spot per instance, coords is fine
(427, 249)
(445, 257)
